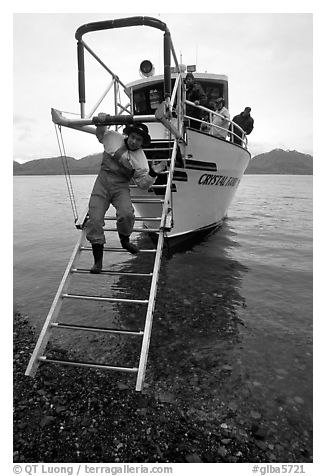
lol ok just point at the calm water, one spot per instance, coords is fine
(234, 312)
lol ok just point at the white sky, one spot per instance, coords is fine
(267, 57)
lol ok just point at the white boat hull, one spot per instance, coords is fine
(204, 188)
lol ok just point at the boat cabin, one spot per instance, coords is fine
(148, 93)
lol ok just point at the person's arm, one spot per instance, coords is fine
(202, 96)
(250, 127)
(226, 113)
(101, 130)
(145, 178)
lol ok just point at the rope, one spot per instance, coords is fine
(66, 171)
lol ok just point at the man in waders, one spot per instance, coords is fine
(123, 160)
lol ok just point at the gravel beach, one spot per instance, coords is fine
(75, 415)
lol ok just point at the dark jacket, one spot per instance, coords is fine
(247, 123)
(196, 93)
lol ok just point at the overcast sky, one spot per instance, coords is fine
(266, 56)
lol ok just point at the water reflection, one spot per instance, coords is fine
(196, 323)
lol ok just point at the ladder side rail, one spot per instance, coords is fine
(53, 312)
(175, 89)
(81, 219)
(168, 192)
(180, 107)
(153, 289)
(149, 315)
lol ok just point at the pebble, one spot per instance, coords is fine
(233, 406)
(255, 415)
(299, 400)
(47, 420)
(282, 371)
(222, 451)
(226, 441)
(261, 433)
(122, 386)
(260, 444)
(193, 458)
(227, 367)
(166, 397)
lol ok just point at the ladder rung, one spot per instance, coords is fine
(78, 327)
(137, 230)
(106, 272)
(152, 186)
(156, 149)
(162, 141)
(99, 298)
(118, 250)
(157, 160)
(138, 218)
(146, 200)
(88, 364)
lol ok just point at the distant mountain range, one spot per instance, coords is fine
(277, 161)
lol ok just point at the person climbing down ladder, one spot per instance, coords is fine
(123, 161)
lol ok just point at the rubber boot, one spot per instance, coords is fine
(125, 243)
(98, 258)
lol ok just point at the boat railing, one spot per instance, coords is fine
(230, 131)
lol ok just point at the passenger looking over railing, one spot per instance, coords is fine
(195, 94)
(221, 121)
(207, 117)
(245, 121)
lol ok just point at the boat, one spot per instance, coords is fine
(208, 168)
(189, 198)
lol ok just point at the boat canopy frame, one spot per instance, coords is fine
(174, 104)
(168, 48)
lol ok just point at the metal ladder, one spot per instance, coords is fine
(51, 322)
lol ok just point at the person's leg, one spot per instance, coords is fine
(125, 217)
(98, 205)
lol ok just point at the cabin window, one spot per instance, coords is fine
(148, 98)
(140, 102)
(155, 98)
(213, 90)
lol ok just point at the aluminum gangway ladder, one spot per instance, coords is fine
(52, 322)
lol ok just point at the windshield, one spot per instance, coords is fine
(146, 99)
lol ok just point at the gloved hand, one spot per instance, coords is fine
(159, 167)
(102, 116)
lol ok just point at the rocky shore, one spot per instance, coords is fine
(72, 415)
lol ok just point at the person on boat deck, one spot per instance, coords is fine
(245, 121)
(123, 161)
(221, 121)
(207, 117)
(195, 94)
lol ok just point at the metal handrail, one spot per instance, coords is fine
(244, 140)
